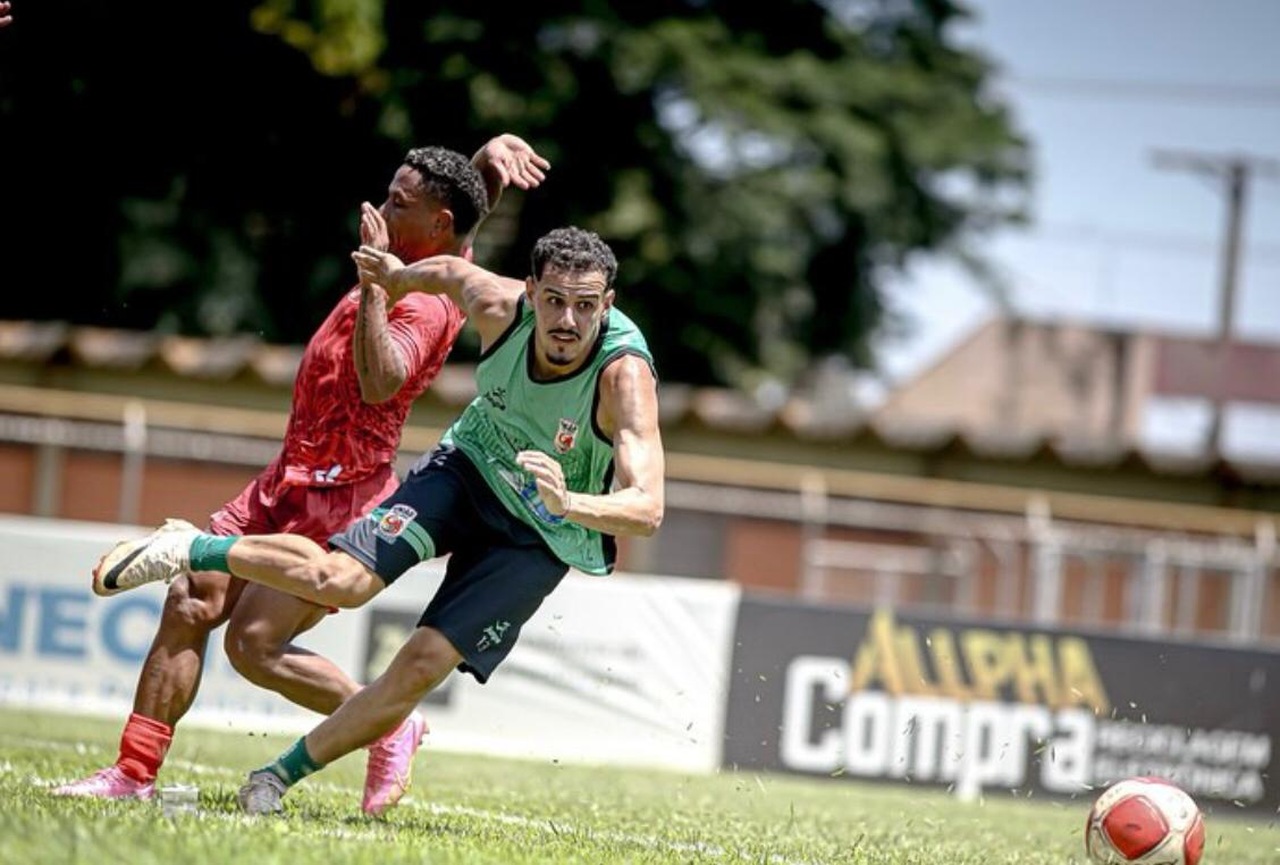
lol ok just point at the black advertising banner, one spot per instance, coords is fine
(984, 707)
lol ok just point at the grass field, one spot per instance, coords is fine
(472, 809)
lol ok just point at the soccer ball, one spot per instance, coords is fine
(1148, 821)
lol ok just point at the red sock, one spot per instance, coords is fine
(143, 745)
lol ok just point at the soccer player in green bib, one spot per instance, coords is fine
(558, 452)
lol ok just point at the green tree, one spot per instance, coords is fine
(172, 166)
(761, 181)
(762, 169)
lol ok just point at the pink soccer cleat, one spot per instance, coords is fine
(109, 783)
(390, 768)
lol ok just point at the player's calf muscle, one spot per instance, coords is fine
(252, 553)
(299, 566)
(341, 581)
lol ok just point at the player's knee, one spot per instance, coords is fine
(425, 660)
(252, 654)
(195, 601)
(249, 658)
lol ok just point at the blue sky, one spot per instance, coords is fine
(1097, 85)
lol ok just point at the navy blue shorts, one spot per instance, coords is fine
(499, 568)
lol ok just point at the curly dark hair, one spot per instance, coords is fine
(451, 179)
(575, 250)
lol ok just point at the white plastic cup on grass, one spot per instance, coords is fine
(179, 799)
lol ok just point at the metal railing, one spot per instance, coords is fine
(1024, 567)
(1034, 567)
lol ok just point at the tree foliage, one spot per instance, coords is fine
(761, 169)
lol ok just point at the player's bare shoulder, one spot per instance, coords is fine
(490, 302)
(628, 394)
(628, 370)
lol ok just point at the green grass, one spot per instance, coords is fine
(474, 809)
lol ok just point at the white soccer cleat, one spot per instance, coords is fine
(261, 794)
(161, 555)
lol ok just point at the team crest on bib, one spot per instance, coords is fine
(566, 436)
(393, 523)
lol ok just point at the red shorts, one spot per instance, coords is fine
(264, 508)
(318, 513)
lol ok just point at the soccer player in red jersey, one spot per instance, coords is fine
(359, 375)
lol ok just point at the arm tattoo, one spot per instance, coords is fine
(379, 365)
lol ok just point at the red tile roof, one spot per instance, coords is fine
(717, 410)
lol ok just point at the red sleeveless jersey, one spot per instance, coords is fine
(334, 437)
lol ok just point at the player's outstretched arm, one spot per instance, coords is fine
(502, 161)
(629, 415)
(507, 160)
(488, 300)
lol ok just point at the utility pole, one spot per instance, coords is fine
(1236, 171)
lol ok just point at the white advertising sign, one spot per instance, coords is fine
(62, 647)
(620, 669)
(623, 669)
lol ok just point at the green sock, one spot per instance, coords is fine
(294, 764)
(209, 552)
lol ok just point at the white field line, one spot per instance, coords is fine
(378, 830)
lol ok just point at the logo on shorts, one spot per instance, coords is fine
(566, 436)
(492, 635)
(392, 523)
(326, 476)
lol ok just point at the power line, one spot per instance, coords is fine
(1151, 91)
(1139, 239)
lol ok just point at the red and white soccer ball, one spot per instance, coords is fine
(1147, 821)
